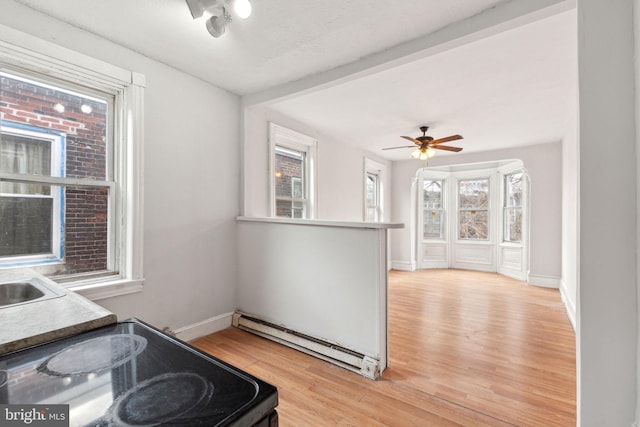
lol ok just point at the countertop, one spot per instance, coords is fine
(323, 222)
(36, 322)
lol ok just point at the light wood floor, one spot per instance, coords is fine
(466, 348)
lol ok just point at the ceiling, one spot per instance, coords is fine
(509, 87)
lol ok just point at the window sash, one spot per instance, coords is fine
(512, 218)
(432, 218)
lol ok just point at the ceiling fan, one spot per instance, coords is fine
(427, 145)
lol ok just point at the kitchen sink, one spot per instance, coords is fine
(26, 291)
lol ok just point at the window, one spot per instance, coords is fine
(512, 209)
(433, 209)
(31, 214)
(70, 156)
(473, 209)
(373, 190)
(290, 195)
(372, 197)
(292, 167)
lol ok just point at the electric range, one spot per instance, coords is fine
(131, 374)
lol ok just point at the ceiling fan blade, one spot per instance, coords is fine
(446, 139)
(446, 147)
(404, 146)
(415, 141)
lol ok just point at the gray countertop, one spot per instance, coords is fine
(36, 322)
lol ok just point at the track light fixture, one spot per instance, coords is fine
(219, 19)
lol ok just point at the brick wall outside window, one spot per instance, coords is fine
(289, 168)
(85, 237)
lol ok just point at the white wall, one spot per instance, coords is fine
(191, 181)
(636, 20)
(607, 293)
(340, 170)
(543, 163)
(327, 281)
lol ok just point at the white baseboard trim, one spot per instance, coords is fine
(544, 281)
(569, 305)
(403, 265)
(205, 327)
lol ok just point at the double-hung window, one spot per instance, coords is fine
(373, 190)
(433, 215)
(292, 173)
(512, 208)
(70, 164)
(473, 209)
(372, 196)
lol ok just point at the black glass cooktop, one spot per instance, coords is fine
(130, 374)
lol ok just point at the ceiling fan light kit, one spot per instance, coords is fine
(218, 9)
(427, 146)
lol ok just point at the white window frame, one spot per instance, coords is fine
(503, 172)
(506, 208)
(23, 52)
(57, 141)
(489, 209)
(444, 210)
(280, 136)
(371, 167)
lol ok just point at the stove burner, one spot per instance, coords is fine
(94, 356)
(161, 399)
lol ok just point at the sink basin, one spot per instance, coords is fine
(15, 293)
(26, 291)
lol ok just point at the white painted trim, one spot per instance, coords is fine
(288, 138)
(403, 265)
(544, 281)
(321, 223)
(205, 327)
(569, 304)
(98, 291)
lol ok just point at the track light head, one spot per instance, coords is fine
(216, 24)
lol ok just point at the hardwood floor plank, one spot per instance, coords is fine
(466, 348)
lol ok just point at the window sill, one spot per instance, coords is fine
(103, 290)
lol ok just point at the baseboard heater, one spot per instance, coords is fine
(362, 364)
